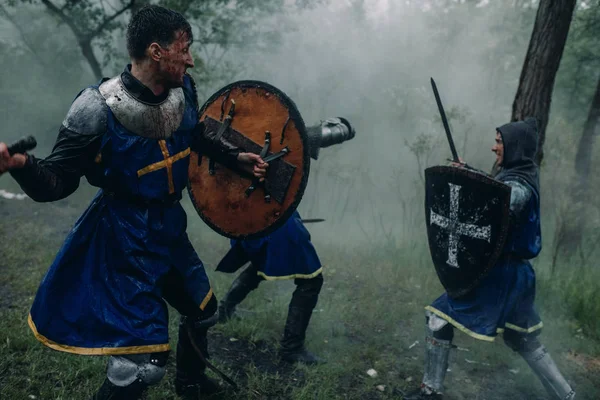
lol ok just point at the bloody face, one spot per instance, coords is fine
(175, 60)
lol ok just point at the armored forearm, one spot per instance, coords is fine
(220, 150)
(330, 132)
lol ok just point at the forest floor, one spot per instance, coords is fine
(369, 316)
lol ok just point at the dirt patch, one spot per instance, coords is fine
(591, 364)
(241, 358)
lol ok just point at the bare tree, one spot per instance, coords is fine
(545, 50)
(86, 29)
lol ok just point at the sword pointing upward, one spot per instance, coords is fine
(444, 121)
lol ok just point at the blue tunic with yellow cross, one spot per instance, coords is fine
(102, 294)
(505, 298)
(287, 253)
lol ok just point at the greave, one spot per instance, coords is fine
(437, 353)
(541, 363)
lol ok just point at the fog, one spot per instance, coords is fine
(367, 61)
(372, 64)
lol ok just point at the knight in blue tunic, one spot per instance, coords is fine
(504, 301)
(131, 136)
(286, 253)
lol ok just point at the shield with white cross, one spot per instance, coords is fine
(467, 216)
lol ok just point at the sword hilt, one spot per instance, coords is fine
(22, 145)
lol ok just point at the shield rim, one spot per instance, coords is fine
(502, 235)
(300, 126)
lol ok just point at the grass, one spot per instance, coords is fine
(370, 315)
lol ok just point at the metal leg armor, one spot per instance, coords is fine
(539, 360)
(438, 342)
(191, 379)
(436, 363)
(300, 310)
(544, 367)
(128, 377)
(246, 282)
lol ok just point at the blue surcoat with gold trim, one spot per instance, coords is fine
(103, 292)
(505, 299)
(286, 253)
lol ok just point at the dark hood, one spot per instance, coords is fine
(520, 147)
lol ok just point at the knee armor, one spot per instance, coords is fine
(438, 328)
(148, 368)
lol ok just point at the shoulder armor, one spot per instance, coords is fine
(519, 195)
(157, 121)
(88, 113)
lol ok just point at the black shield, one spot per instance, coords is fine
(467, 216)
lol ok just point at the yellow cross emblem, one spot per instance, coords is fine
(166, 163)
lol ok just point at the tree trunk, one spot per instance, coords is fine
(583, 159)
(574, 224)
(88, 53)
(541, 64)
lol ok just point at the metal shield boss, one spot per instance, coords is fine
(467, 215)
(257, 118)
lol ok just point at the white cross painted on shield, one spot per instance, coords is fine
(456, 228)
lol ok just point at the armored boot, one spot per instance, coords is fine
(110, 391)
(438, 343)
(246, 282)
(541, 363)
(129, 376)
(300, 310)
(191, 380)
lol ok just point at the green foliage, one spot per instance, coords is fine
(369, 315)
(370, 310)
(220, 26)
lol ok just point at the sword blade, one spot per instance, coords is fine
(444, 120)
(311, 220)
(208, 363)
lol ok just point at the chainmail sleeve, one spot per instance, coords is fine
(79, 140)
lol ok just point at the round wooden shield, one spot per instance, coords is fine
(257, 118)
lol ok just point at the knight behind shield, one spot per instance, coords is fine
(131, 136)
(482, 232)
(287, 253)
